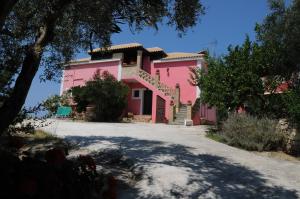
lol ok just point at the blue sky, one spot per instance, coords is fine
(225, 22)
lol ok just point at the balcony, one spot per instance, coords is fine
(129, 71)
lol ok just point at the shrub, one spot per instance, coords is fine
(107, 95)
(252, 133)
(291, 101)
(53, 102)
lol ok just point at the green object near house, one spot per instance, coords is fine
(63, 111)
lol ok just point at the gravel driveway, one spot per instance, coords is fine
(180, 162)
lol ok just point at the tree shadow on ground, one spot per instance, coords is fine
(209, 176)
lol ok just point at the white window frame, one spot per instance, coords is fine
(140, 93)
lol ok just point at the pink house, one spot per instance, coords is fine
(158, 81)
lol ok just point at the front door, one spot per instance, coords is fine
(160, 110)
(147, 106)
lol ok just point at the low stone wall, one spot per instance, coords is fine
(292, 137)
(142, 118)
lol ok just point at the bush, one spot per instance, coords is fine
(291, 101)
(107, 95)
(252, 133)
(53, 102)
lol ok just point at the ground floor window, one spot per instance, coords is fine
(136, 93)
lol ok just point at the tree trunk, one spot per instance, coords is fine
(13, 105)
(15, 102)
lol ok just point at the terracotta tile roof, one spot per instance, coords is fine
(118, 47)
(154, 49)
(181, 55)
(283, 87)
(80, 60)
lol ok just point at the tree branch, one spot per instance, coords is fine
(5, 9)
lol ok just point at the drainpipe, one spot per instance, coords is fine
(177, 97)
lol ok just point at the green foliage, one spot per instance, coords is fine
(291, 101)
(53, 102)
(240, 78)
(232, 81)
(279, 36)
(196, 106)
(215, 135)
(252, 133)
(107, 95)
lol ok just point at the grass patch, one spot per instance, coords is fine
(42, 135)
(216, 136)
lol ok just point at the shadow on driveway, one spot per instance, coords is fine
(194, 175)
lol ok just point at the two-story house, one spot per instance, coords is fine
(158, 81)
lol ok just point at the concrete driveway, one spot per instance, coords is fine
(180, 162)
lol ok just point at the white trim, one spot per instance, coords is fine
(62, 83)
(177, 59)
(142, 101)
(120, 71)
(92, 62)
(199, 65)
(141, 97)
(132, 93)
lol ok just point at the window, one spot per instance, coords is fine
(136, 94)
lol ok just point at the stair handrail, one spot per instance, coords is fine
(160, 86)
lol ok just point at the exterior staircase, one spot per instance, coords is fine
(144, 75)
(180, 116)
(159, 85)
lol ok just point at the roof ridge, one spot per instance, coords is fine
(118, 46)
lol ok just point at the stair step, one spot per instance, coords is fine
(180, 118)
(180, 114)
(173, 123)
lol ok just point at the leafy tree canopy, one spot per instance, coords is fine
(241, 77)
(279, 37)
(232, 80)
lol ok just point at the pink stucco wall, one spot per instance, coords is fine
(155, 93)
(147, 64)
(78, 74)
(134, 105)
(172, 73)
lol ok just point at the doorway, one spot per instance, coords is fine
(147, 105)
